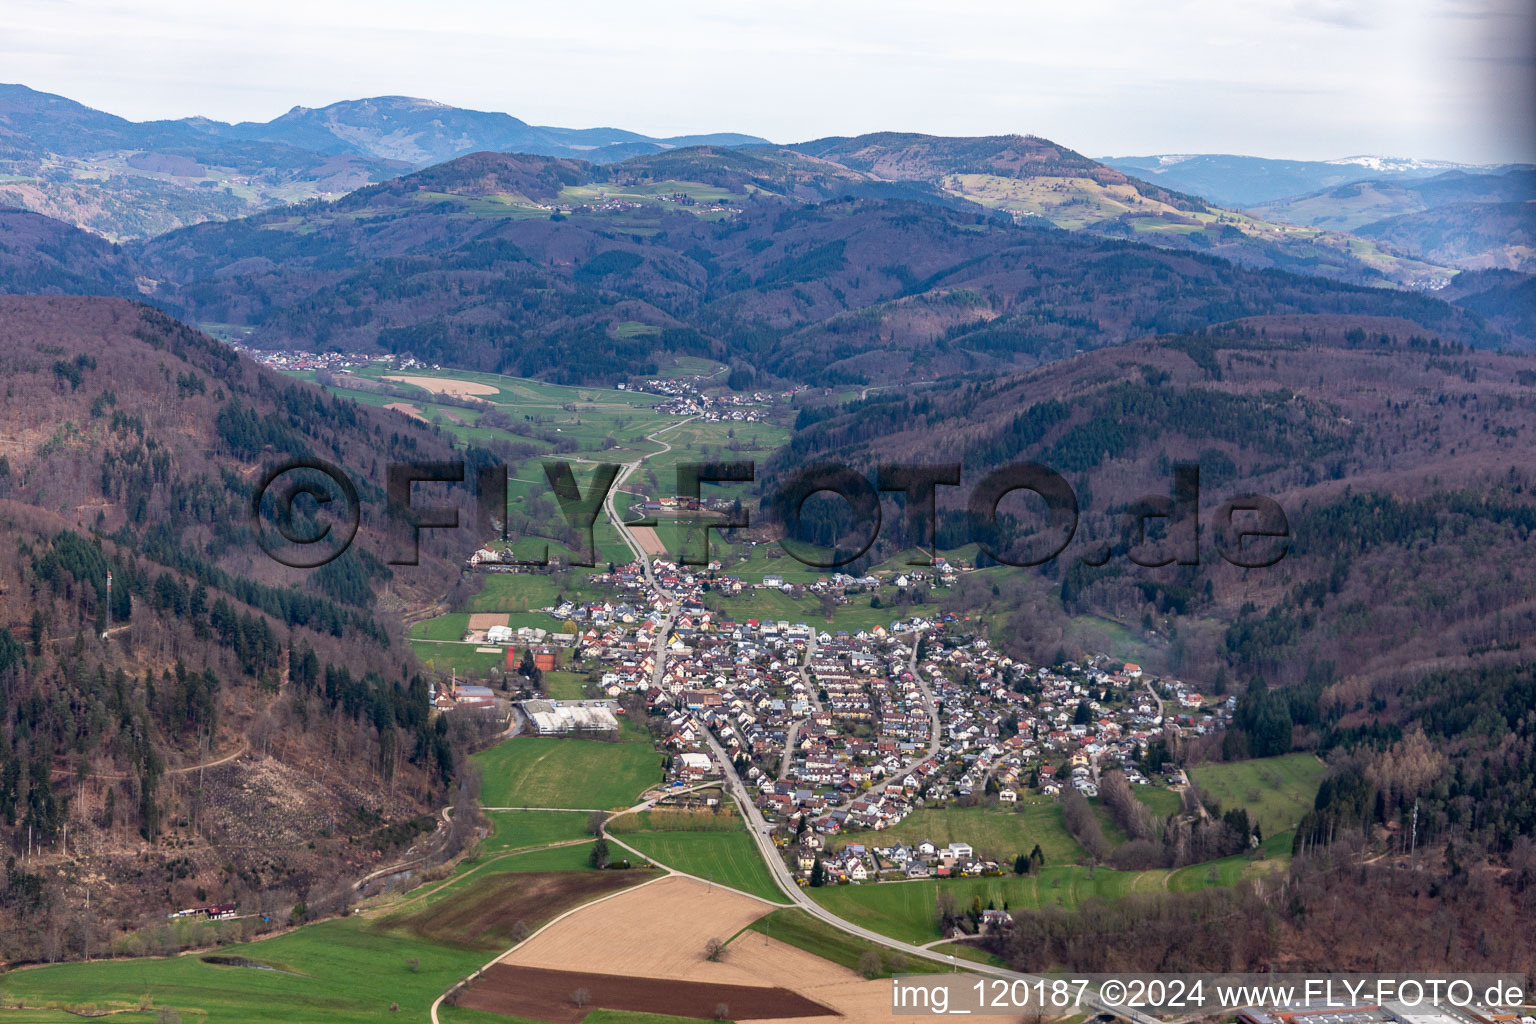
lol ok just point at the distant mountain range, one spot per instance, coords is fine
(1469, 221)
(422, 132)
(127, 179)
(1449, 215)
(785, 264)
(401, 129)
(1245, 181)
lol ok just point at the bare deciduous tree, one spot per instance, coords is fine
(1080, 821)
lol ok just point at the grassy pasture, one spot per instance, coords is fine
(534, 771)
(909, 910)
(514, 830)
(334, 972)
(799, 929)
(728, 858)
(1276, 790)
(1162, 802)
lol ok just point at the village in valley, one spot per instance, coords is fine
(842, 734)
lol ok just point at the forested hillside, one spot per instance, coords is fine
(1397, 460)
(460, 264)
(218, 727)
(42, 256)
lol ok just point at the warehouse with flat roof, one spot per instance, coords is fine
(549, 719)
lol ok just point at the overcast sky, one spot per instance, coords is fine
(1312, 79)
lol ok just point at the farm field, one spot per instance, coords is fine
(518, 592)
(576, 857)
(462, 1015)
(665, 819)
(534, 771)
(514, 830)
(545, 993)
(726, 858)
(630, 923)
(698, 441)
(579, 421)
(583, 425)
(487, 915)
(795, 926)
(774, 604)
(909, 910)
(463, 659)
(334, 972)
(758, 564)
(444, 627)
(370, 967)
(482, 867)
(692, 913)
(1112, 830)
(1003, 834)
(1275, 790)
(962, 951)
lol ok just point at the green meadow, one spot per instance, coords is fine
(798, 928)
(727, 858)
(1276, 790)
(535, 771)
(340, 971)
(909, 910)
(514, 830)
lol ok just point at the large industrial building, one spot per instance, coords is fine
(549, 719)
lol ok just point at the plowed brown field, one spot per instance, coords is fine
(546, 994)
(484, 916)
